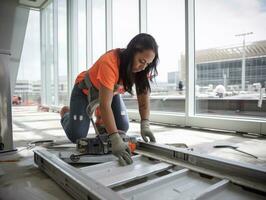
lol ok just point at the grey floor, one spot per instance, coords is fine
(20, 179)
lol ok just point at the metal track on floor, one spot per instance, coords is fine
(158, 172)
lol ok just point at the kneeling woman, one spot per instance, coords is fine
(117, 68)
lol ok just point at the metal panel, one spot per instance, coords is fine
(263, 128)
(75, 183)
(8, 19)
(212, 190)
(221, 123)
(240, 173)
(34, 4)
(179, 185)
(150, 185)
(231, 192)
(18, 36)
(6, 133)
(111, 174)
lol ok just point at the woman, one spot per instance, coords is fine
(115, 69)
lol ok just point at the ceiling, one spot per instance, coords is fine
(33, 3)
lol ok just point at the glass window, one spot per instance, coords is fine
(98, 29)
(48, 55)
(125, 21)
(224, 31)
(166, 23)
(62, 53)
(81, 21)
(264, 61)
(28, 85)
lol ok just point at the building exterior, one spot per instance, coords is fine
(224, 65)
(173, 77)
(30, 91)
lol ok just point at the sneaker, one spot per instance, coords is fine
(64, 110)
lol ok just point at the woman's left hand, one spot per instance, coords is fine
(146, 131)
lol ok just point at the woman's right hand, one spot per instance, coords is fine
(120, 149)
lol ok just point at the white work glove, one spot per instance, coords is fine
(145, 131)
(120, 149)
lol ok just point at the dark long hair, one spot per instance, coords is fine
(139, 43)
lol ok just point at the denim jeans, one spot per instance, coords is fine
(76, 123)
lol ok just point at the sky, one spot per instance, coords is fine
(29, 68)
(216, 24)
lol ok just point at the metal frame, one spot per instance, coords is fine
(69, 47)
(89, 27)
(71, 180)
(46, 71)
(43, 60)
(72, 42)
(6, 129)
(190, 58)
(109, 24)
(244, 174)
(43, 56)
(95, 181)
(143, 16)
(174, 180)
(55, 51)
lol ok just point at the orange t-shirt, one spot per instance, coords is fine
(105, 71)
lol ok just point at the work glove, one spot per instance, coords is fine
(145, 131)
(120, 149)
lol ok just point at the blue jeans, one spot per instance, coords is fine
(76, 123)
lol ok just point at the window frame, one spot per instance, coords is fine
(189, 118)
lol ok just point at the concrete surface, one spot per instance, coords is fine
(20, 179)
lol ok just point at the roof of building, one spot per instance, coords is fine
(253, 49)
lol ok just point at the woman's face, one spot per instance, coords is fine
(142, 60)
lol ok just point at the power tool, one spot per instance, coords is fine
(99, 144)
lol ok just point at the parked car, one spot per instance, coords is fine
(16, 100)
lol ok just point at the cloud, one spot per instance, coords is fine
(217, 23)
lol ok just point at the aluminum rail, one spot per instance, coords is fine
(243, 174)
(74, 182)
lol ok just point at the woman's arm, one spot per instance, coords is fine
(144, 111)
(119, 148)
(144, 105)
(106, 97)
